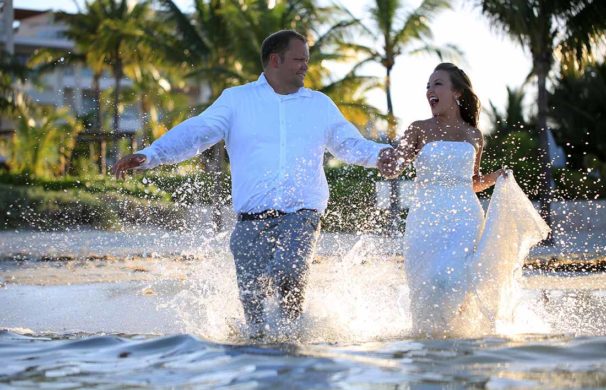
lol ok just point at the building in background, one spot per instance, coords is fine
(25, 31)
(69, 85)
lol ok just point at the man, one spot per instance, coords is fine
(276, 132)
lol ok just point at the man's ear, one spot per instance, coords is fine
(274, 60)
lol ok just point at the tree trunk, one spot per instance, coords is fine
(542, 68)
(103, 157)
(394, 204)
(96, 125)
(118, 77)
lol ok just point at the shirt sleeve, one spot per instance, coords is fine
(346, 143)
(192, 136)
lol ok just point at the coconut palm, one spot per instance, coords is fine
(570, 29)
(81, 29)
(123, 41)
(398, 31)
(223, 41)
(513, 118)
(205, 50)
(116, 36)
(204, 46)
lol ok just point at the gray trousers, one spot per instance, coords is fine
(274, 254)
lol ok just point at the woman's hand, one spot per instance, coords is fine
(388, 163)
(480, 183)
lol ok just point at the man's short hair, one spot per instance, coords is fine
(278, 43)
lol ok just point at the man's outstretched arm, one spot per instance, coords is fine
(184, 141)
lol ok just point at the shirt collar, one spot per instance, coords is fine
(302, 92)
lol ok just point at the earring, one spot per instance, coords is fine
(458, 102)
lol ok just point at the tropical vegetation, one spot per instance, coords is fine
(158, 55)
(572, 31)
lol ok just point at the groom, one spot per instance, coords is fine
(276, 132)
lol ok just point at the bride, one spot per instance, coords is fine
(459, 264)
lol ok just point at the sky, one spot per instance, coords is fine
(491, 59)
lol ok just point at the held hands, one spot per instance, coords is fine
(127, 163)
(388, 163)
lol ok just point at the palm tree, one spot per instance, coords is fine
(399, 32)
(114, 35)
(513, 117)
(82, 29)
(123, 41)
(546, 28)
(221, 45)
(205, 50)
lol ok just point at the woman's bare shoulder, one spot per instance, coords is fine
(422, 124)
(476, 136)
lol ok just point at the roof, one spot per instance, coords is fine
(22, 13)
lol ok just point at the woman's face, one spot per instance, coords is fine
(440, 93)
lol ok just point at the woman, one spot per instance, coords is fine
(444, 225)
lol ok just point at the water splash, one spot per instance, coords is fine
(356, 297)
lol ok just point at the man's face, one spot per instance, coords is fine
(292, 66)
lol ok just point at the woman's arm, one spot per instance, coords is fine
(482, 182)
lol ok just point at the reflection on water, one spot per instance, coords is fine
(104, 323)
(111, 361)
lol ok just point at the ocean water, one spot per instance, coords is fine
(174, 321)
(133, 361)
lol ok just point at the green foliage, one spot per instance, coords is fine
(92, 185)
(352, 203)
(197, 187)
(10, 72)
(396, 30)
(44, 141)
(573, 184)
(62, 204)
(35, 207)
(578, 116)
(160, 197)
(579, 102)
(512, 144)
(517, 150)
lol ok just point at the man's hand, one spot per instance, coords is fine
(126, 163)
(388, 163)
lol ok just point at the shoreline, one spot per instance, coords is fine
(90, 256)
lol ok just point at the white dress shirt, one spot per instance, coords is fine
(275, 143)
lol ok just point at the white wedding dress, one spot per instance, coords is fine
(461, 266)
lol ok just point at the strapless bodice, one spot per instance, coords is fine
(445, 162)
